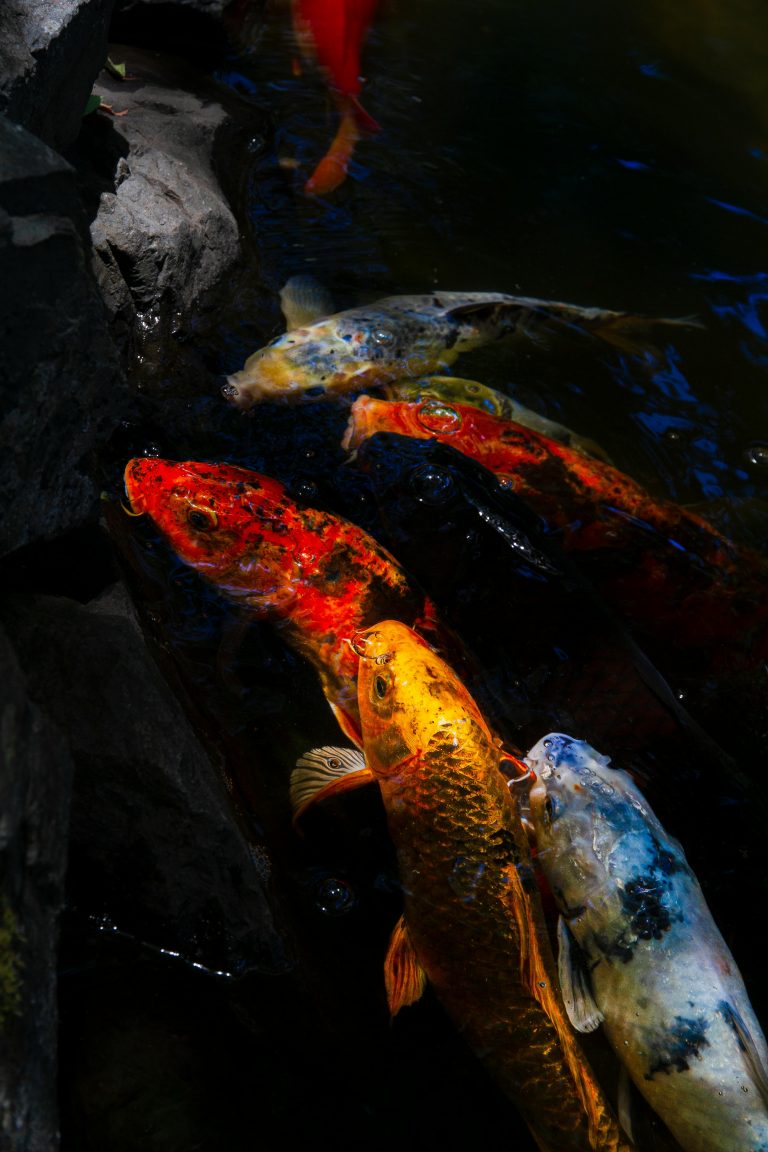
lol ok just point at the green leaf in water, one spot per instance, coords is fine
(116, 69)
(91, 104)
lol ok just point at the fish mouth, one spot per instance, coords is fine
(232, 392)
(135, 471)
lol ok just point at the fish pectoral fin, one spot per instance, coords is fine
(325, 772)
(755, 1065)
(582, 1011)
(404, 977)
(349, 727)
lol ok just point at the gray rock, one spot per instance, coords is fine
(155, 846)
(61, 387)
(50, 54)
(35, 788)
(208, 7)
(165, 233)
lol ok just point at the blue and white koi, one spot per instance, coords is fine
(640, 953)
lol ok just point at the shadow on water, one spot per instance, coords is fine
(606, 155)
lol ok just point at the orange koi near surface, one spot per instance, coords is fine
(472, 924)
(661, 567)
(332, 31)
(319, 577)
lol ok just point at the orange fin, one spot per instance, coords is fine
(404, 977)
(332, 169)
(325, 772)
(348, 726)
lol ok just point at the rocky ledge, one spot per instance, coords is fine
(108, 225)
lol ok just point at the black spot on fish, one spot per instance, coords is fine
(684, 1043)
(451, 338)
(642, 901)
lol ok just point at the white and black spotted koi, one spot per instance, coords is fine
(641, 954)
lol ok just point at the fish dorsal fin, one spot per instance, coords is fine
(582, 1011)
(325, 772)
(304, 301)
(752, 1058)
(404, 977)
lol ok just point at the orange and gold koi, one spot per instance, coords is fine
(472, 924)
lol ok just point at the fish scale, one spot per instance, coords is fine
(471, 905)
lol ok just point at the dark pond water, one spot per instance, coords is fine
(592, 153)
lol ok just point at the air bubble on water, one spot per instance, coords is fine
(438, 417)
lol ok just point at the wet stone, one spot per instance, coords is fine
(50, 54)
(155, 847)
(35, 787)
(163, 231)
(61, 388)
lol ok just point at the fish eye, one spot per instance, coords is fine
(202, 519)
(334, 762)
(432, 485)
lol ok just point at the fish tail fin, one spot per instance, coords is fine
(626, 331)
(364, 119)
(332, 169)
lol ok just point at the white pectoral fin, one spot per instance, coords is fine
(757, 1069)
(582, 1011)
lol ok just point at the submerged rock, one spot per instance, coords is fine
(155, 849)
(163, 231)
(35, 787)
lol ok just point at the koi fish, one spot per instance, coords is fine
(472, 924)
(405, 336)
(640, 952)
(455, 390)
(473, 543)
(553, 655)
(332, 31)
(693, 597)
(317, 576)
